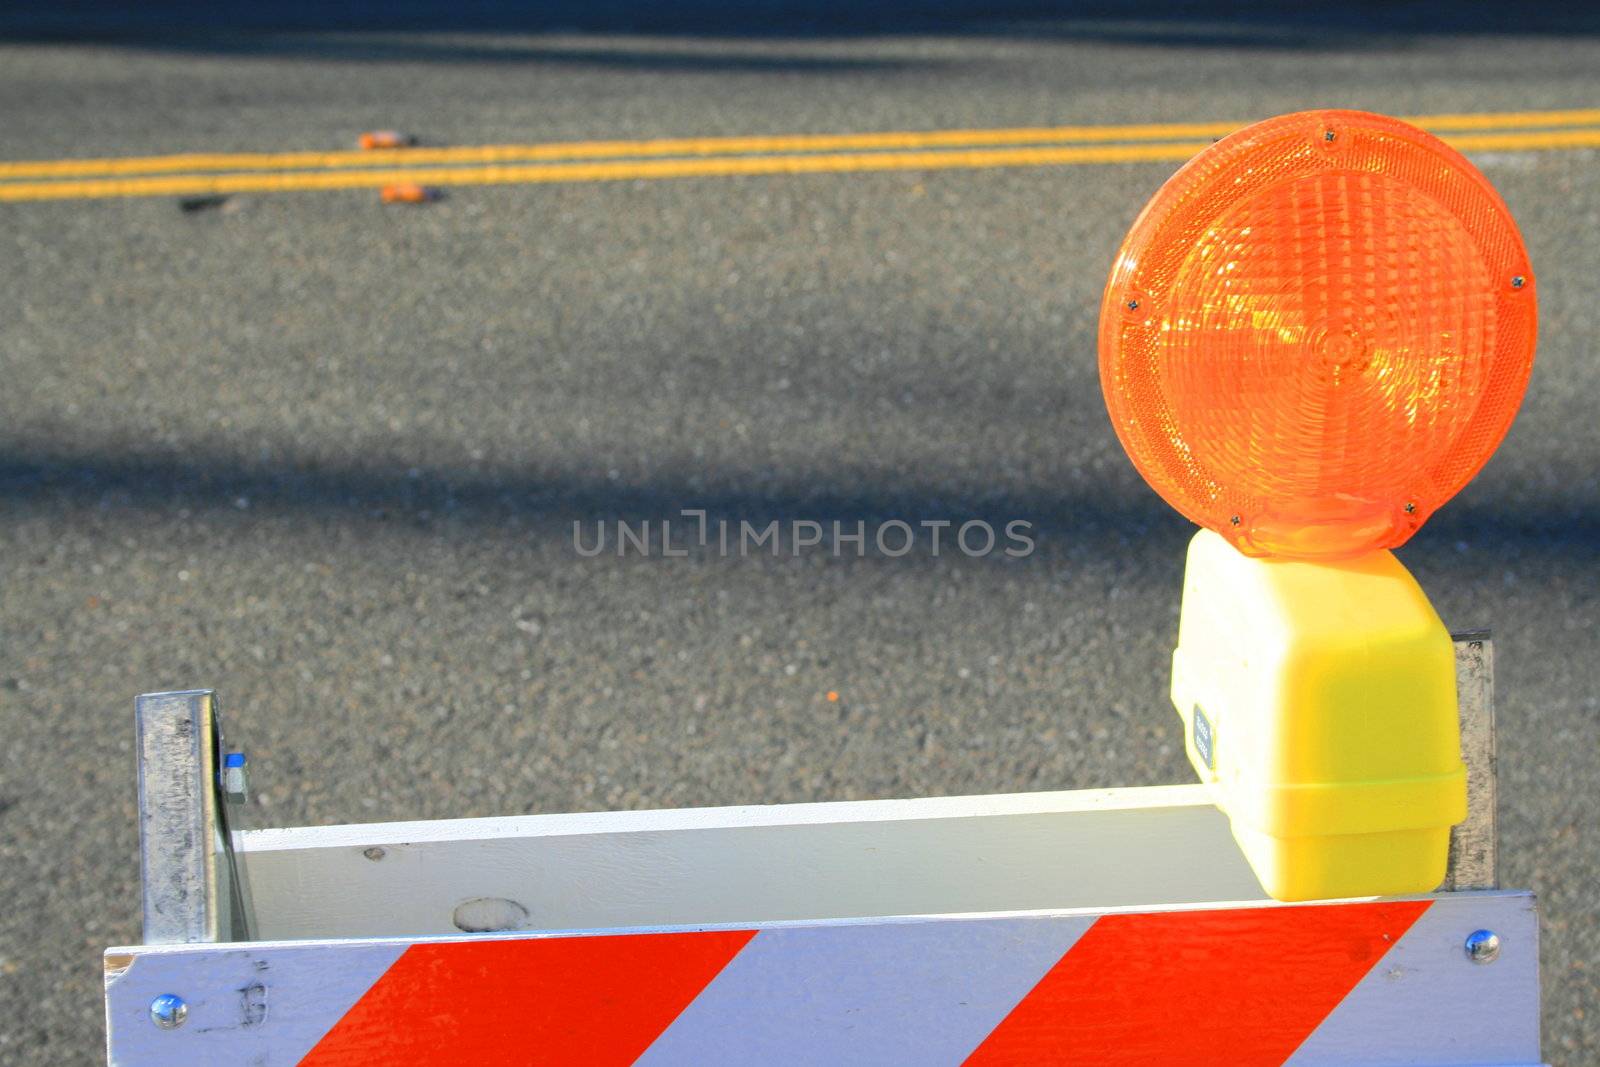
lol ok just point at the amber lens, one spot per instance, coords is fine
(1317, 332)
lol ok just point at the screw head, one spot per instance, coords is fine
(1328, 135)
(1411, 509)
(374, 853)
(1133, 305)
(168, 1011)
(1483, 946)
(1518, 282)
(1235, 519)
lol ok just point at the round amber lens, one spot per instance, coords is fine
(1317, 332)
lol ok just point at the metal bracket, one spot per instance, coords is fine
(1474, 843)
(191, 886)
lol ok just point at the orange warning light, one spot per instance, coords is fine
(1317, 332)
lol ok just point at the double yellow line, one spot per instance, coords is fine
(212, 174)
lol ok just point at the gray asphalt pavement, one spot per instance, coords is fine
(325, 455)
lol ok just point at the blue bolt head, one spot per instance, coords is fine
(234, 778)
(168, 1011)
(1483, 946)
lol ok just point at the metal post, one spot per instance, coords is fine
(1473, 844)
(191, 890)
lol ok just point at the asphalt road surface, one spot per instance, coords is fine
(325, 455)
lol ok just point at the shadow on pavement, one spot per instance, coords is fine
(483, 503)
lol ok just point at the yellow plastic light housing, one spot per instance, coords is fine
(1319, 702)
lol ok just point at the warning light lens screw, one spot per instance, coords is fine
(1133, 305)
(168, 1011)
(1411, 509)
(1234, 519)
(1328, 135)
(1518, 282)
(1483, 946)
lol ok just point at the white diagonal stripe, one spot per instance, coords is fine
(1427, 1005)
(265, 1006)
(913, 992)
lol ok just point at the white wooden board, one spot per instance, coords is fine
(1011, 852)
(1332, 984)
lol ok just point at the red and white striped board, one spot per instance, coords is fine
(1383, 982)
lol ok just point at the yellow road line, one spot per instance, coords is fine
(619, 170)
(1523, 142)
(650, 169)
(482, 155)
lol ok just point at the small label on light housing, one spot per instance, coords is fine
(1203, 738)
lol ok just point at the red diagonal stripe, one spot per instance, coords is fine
(594, 1001)
(1237, 988)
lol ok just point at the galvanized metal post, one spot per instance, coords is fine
(1474, 843)
(191, 890)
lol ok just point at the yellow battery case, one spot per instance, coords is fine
(1319, 703)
